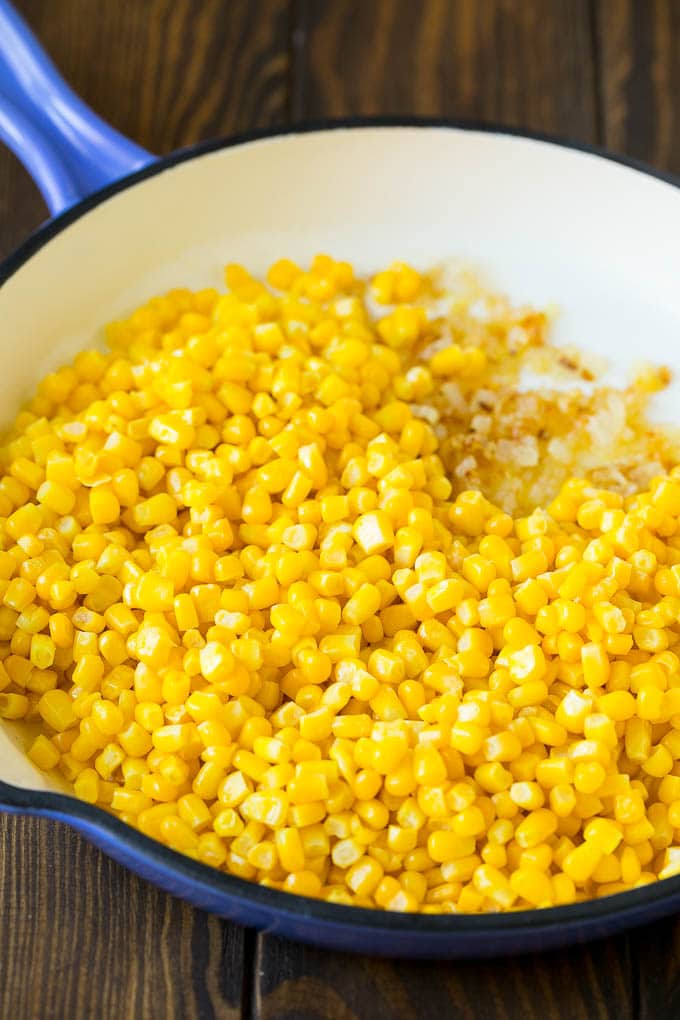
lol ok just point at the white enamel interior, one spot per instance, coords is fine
(545, 223)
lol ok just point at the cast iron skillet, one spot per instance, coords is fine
(544, 220)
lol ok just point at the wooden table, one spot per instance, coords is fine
(79, 936)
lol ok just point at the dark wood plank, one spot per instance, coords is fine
(526, 63)
(165, 72)
(21, 206)
(83, 937)
(656, 954)
(639, 43)
(301, 983)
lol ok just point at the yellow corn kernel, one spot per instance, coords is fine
(109, 760)
(537, 827)
(104, 505)
(19, 594)
(193, 812)
(211, 850)
(130, 802)
(659, 762)
(171, 738)
(56, 708)
(364, 876)
(429, 767)
(595, 665)
(581, 862)
(43, 650)
(491, 883)
(107, 717)
(362, 605)
(57, 497)
(502, 747)
(87, 785)
(374, 532)
(289, 849)
(533, 886)
(604, 834)
(317, 725)
(43, 753)
(562, 799)
(177, 834)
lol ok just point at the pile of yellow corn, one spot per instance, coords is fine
(244, 610)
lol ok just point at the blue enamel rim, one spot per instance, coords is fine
(349, 928)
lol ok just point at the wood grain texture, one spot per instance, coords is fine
(656, 952)
(301, 983)
(166, 73)
(639, 71)
(525, 63)
(21, 206)
(83, 937)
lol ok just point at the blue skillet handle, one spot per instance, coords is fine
(68, 150)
